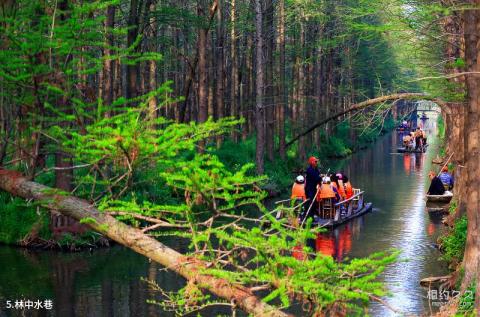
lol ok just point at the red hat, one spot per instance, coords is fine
(312, 160)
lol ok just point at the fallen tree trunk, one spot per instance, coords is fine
(363, 105)
(188, 267)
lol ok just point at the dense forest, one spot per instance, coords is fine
(163, 118)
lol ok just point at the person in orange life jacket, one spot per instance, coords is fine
(298, 189)
(340, 186)
(328, 190)
(348, 187)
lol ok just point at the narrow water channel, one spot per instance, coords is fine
(396, 184)
(107, 282)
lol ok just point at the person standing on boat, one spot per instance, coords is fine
(406, 141)
(446, 178)
(313, 179)
(418, 138)
(436, 186)
(424, 137)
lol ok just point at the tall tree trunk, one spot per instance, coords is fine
(269, 108)
(202, 72)
(234, 69)
(152, 64)
(259, 109)
(472, 128)
(281, 93)
(132, 34)
(108, 64)
(219, 91)
(302, 116)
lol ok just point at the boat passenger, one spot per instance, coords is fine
(436, 187)
(340, 186)
(348, 187)
(298, 189)
(407, 140)
(326, 190)
(446, 178)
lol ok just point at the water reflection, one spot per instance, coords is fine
(104, 283)
(338, 242)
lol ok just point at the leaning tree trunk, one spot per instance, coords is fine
(188, 267)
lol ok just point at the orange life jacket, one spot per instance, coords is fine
(326, 191)
(340, 189)
(298, 192)
(348, 190)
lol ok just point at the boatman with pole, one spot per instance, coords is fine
(312, 179)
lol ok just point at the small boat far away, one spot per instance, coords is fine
(421, 149)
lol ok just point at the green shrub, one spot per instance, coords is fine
(17, 219)
(466, 304)
(453, 243)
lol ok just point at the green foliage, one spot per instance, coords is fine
(74, 242)
(453, 243)
(441, 128)
(17, 218)
(466, 304)
(453, 206)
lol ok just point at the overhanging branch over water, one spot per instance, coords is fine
(366, 104)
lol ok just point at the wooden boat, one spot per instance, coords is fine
(344, 211)
(405, 150)
(445, 198)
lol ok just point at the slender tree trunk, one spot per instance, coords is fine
(249, 115)
(234, 69)
(259, 109)
(132, 34)
(269, 107)
(202, 72)
(281, 94)
(302, 116)
(219, 91)
(152, 64)
(108, 64)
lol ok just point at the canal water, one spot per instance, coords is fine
(108, 282)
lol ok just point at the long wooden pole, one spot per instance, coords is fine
(188, 267)
(445, 164)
